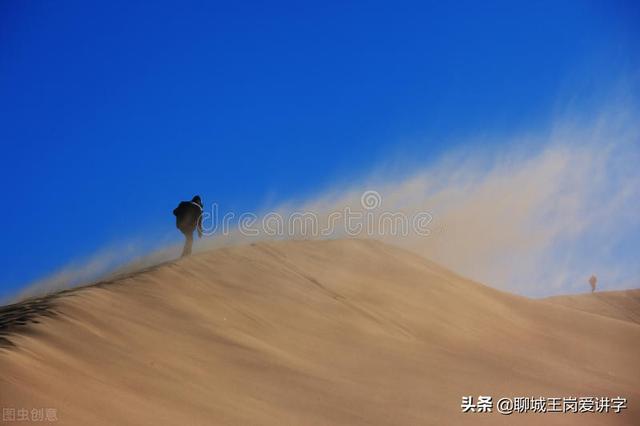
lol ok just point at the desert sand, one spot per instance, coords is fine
(622, 305)
(346, 332)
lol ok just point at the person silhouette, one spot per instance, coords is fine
(188, 219)
(592, 282)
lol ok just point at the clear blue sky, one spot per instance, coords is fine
(111, 113)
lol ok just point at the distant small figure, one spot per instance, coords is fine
(592, 282)
(189, 218)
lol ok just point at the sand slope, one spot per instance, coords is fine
(308, 333)
(622, 305)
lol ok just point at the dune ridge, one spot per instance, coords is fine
(342, 332)
(623, 305)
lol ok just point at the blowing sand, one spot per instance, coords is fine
(622, 305)
(346, 332)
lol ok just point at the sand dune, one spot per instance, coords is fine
(344, 332)
(622, 305)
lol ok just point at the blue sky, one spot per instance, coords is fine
(111, 113)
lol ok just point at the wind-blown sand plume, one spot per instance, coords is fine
(347, 332)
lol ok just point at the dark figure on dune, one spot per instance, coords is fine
(189, 218)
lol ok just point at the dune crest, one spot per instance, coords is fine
(345, 332)
(623, 305)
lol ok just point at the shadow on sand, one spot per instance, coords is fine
(18, 317)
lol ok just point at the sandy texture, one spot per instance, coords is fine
(622, 305)
(308, 333)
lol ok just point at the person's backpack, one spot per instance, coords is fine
(181, 212)
(178, 211)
